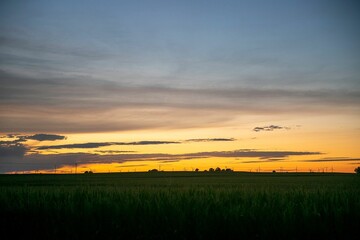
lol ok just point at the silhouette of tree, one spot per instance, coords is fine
(219, 170)
(153, 170)
(196, 170)
(357, 170)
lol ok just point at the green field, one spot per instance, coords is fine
(180, 205)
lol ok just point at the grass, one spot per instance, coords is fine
(181, 205)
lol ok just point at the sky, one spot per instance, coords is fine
(118, 86)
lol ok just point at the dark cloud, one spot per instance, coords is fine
(269, 128)
(103, 144)
(9, 142)
(38, 137)
(45, 137)
(12, 150)
(78, 145)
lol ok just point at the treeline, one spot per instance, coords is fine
(219, 170)
(197, 170)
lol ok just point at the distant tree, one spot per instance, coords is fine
(218, 169)
(196, 170)
(211, 170)
(357, 170)
(274, 171)
(229, 170)
(153, 170)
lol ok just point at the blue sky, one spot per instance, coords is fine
(262, 44)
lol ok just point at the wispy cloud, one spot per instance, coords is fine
(82, 105)
(269, 128)
(113, 151)
(211, 140)
(32, 46)
(333, 159)
(131, 165)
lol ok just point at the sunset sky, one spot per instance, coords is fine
(114, 86)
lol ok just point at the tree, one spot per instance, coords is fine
(357, 170)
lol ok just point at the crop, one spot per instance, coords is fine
(181, 206)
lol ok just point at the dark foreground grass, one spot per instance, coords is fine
(180, 206)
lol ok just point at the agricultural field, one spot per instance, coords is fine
(180, 205)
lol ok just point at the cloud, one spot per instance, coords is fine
(78, 145)
(269, 128)
(254, 154)
(113, 151)
(131, 165)
(78, 104)
(25, 44)
(9, 136)
(211, 140)
(150, 143)
(266, 160)
(38, 137)
(47, 161)
(332, 159)
(12, 150)
(45, 137)
(103, 144)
